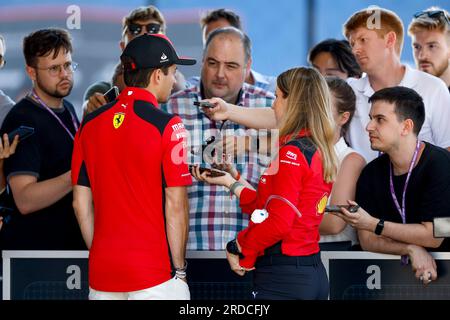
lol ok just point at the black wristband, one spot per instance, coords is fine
(379, 228)
(233, 248)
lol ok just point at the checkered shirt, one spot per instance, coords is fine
(214, 217)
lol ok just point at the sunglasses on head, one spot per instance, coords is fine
(434, 14)
(135, 29)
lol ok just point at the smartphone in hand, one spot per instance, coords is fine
(337, 208)
(23, 132)
(111, 94)
(212, 172)
(203, 104)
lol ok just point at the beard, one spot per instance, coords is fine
(441, 69)
(437, 70)
(55, 91)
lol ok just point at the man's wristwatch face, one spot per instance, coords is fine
(379, 228)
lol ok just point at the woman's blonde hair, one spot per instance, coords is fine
(309, 107)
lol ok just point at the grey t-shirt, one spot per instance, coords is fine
(6, 104)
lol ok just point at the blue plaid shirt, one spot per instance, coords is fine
(214, 217)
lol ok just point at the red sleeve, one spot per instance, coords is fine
(174, 141)
(247, 200)
(287, 183)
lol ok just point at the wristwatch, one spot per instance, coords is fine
(379, 228)
(232, 248)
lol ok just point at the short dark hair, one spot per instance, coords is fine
(215, 15)
(341, 52)
(345, 98)
(139, 78)
(245, 40)
(408, 104)
(42, 42)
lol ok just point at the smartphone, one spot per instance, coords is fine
(203, 104)
(337, 208)
(441, 227)
(23, 132)
(213, 172)
(111, 94)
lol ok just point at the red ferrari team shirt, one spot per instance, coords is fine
(127, 152)
(296, 175)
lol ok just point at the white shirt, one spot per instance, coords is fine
(436, 98)
(349, 233)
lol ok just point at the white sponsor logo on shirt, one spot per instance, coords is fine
(290, 162)
(291, 155)
(178, 126)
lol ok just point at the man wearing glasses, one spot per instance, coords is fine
(39, 172)
(430, 34)
(142, 20)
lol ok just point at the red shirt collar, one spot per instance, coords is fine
(289, 137)
(134, 93)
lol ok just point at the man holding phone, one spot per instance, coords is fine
(215, 218)
(136, 173)
(401, 191)
(39, 172)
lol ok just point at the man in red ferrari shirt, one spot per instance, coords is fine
(129, 160)
(281, 243)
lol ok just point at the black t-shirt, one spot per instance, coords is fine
(427, 194)
(46, 154)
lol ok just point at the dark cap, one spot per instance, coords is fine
(151, 51)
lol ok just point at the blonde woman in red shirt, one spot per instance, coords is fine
(281, 244)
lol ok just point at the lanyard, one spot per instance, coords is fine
(402, 210)
(74, 121)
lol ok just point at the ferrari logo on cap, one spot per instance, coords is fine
(322, 204)
(118, 119)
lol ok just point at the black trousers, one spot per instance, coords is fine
(281, 277)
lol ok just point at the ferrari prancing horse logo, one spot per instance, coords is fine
(118, 119)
